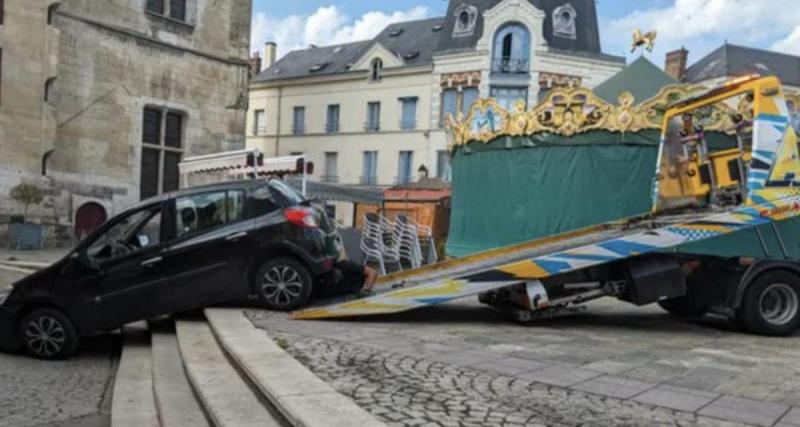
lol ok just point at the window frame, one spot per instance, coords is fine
(83, 249)
(405, 124)
(301, 129)
(162, 148)
(333, 127)
(166, 11)
(370, 125)
(262, 129)
(370, 179)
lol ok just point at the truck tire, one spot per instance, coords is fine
(683, 307)
(771, 304)
(283, 284)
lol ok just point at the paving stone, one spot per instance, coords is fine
(678, 398)
(745, 410)
(614, 386)
(792, 418)
(609, 366)
(510, 366)
(654, 372)
(560, 375)
(702, 378)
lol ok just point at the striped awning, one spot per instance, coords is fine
(241, 161)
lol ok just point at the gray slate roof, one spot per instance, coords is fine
(415, 45)
(420, 36)
(731, 60)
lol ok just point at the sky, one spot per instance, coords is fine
(698, 25)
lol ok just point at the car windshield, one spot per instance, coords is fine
(286, 193)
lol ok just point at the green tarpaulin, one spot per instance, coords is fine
(516, 189)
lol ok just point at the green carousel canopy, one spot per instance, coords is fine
(577, 158)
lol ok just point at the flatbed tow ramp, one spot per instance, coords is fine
(641, 259)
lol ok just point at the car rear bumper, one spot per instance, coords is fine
(8, 338)
(321, 266)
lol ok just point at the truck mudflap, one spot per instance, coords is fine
(575, 253)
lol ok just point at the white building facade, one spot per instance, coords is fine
(372, 112)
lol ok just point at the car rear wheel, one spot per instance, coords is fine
(283, 284)
(771, 304)
(47, 333)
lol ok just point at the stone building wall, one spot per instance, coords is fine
(114, 59)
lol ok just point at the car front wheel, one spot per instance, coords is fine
(47, 333)
(283, 284)
(771, 304)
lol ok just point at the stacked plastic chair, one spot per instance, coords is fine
(396, 244)
(375, 249)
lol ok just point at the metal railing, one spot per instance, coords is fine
(511, 65)
(298, 129)
(372, 126)
(331, 127)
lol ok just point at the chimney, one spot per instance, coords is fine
(675, 63)
(270, 53)
(255, 64)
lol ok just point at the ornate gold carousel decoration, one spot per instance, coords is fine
(571, 111)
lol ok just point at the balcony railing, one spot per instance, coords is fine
(298, 129)
(372, 127)
(333, 179)
(511, 65)
(408, 124)
(331, 127)
(369, 180)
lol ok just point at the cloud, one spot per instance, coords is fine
(702, 25)
(326, 26)
(790, 44)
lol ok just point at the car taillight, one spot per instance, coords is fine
(301, 217)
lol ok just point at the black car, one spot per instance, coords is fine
(174, 252)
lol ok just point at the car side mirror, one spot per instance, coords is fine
(144, 240)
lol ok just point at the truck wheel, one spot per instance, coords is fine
(771, 304)
(283, 284)
(47, 333)
(683, 307)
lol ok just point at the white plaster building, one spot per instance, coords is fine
(371, 112)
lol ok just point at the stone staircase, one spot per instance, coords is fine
(220, 370)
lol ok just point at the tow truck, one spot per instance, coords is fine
(722, 235)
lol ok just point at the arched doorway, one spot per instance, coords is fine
(88, 218)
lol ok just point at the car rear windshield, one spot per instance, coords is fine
(285, 193)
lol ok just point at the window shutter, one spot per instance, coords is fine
(151, 128)
(177, 9)
(173, 131)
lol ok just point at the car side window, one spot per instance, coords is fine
(199, 212)
(235, 206)
(131, 233)
(263, 201)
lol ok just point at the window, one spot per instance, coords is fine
(449, 104)
(454, 101)
(376, 69)
(331, 167)
(512, 45)
(137, 230)
(405, 163)
(173, 9)
(2, 11)
(332, 119)
(408, 120)
(202, 212)
(299, 121)
(162, 150)
(564, 21)
(369, 170)
(466, 16)
(508, 96)
(259, 122)
(373, 117)
(443, 164)
(469, 96)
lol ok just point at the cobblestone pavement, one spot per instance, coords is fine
(74, 392)
(613, 364)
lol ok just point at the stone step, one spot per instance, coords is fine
(133, 404)
(302, 397)
(226, 396)
(175, 400)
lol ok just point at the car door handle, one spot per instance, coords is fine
(151, 262)
(236, 236)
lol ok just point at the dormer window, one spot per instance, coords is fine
(466, 17)
(564, 21)
(376, 69)
(512, 50)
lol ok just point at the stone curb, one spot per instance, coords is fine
(302, 397)
(132, 402)
(174, 397)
